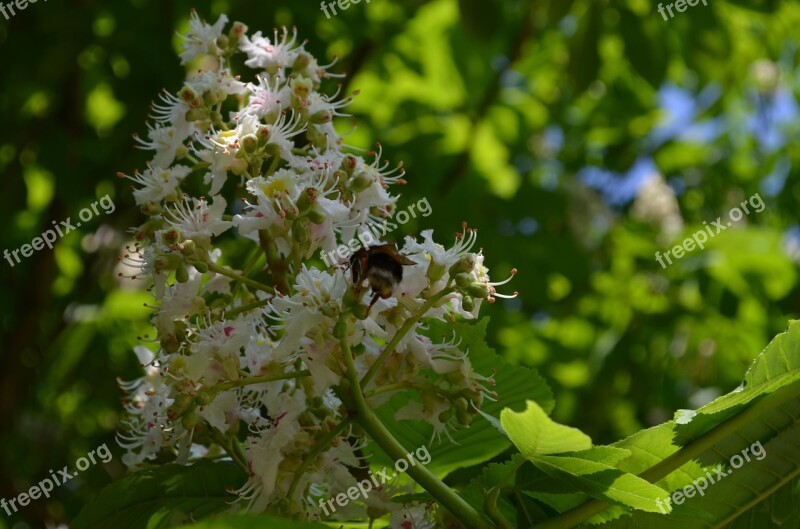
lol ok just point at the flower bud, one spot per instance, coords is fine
(463, 417)
(468, 303)
(479, 290)
(200, 267)
(461, 404)
(446, 415)
(188, 247)
(463, 280)
(189, 420)
(222, 42)
(204, 399)
(307, 199)
(301, 87)
(181, 274)
(172, 236)
(263, 134)
(323, 116)
(359, 182)
(465, 264)
(151, 208)
(250, 143)
(237, 30)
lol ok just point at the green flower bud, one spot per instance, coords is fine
(204, 399)
(188, 247)
(465, 264)
(323, 116)
(464, 418)
(461, 404)
(200, 267)
(250, 143)
(307, 199)
(359, 182)
(479, 290)
(446, 415)
(468, 303)
(181, 274)
(463, 280)
(189, 420)
(222, 42)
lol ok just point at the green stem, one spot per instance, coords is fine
(238, 277)
(370, 423)
(692, 450)
(245, 308)
(225, 386)
(407, 326)
(316, 450)
(237, 457)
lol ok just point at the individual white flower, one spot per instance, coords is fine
(202, 37)
(219, 149)
(216, 82)
(273, 56)
(156, 183)
(267, 99)
(165, 141)
(197, 220)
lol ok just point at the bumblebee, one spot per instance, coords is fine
(382, 265)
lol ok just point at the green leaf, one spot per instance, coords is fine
(162, 497)
(535, 434)
(603, 481)
(253, 522)
(764, 411)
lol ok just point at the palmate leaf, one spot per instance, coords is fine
(591, 471)
(765, 410)
(162, 497)
(481, 441)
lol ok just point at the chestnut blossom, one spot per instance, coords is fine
(248, 180)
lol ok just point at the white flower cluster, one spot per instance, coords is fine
(249, 361)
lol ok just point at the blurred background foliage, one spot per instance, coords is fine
(578, 136)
